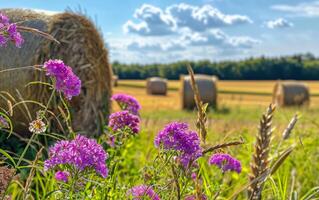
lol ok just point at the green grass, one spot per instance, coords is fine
(296, 177)
(232, 123)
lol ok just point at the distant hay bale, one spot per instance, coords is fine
(82, 47)
(215, 78)
(156, 85)
(291, 93)
(115, 80)
(207, 86)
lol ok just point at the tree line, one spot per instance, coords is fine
(298, 67)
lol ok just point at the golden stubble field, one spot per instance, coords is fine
(229, 94)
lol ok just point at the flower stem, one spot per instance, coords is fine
(176, 183)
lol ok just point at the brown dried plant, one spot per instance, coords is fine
(201, 123)
(260, 161)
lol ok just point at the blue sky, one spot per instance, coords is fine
(148, 31)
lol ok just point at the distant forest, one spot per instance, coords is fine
(298, 67)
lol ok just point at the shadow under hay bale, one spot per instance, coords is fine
(207, 86)
(291, 93)
(156, 86)
(115, 80)
(82, 48)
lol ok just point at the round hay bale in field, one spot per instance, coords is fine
(215, 78)
(207, 86)
(115, 80)
(291, 93)
(81, 47)
(156, 85)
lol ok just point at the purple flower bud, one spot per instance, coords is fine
(127, 102)
(225, 162)
(62, 176)
(141, 191)
(3, 122)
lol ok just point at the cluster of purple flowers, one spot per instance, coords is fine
(141, 191)
(127, 102)
(122, 120)
(225, 162)
(65, 80)
(82, 153)
(176, 136)
(9, 32)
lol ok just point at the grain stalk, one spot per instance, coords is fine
(201, 107)
(260, 163)
(31, 174)
(223, 145)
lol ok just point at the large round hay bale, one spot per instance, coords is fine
(82, 47)
(291, 93)
(207, 86)
(156, 85)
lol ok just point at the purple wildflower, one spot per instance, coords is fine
(65, 80)
(3, 122)
(127, 102)
(111, 141)
(62, 176)
(9, 32)
(194, 176)
(82, 153)
(176, 136)
(141, 191)
(193, 197)
(14, 35)
(225, 162)
(123, 119)
(4, 20)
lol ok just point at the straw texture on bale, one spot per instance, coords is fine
(82, 47)
(291, 93)
(207, 86)
(156, 85)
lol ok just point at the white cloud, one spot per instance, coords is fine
(278, 23)
(47, 12)
(154, 21)
(204, 17)
(214, 39)
(309, 9)
(180, 32)
(159, 45)
(219, 39)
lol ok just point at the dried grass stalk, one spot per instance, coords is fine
(156, 85)
(291, 125)
(81, 46)
(291, 93)
(201, 122)
(260, 163)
